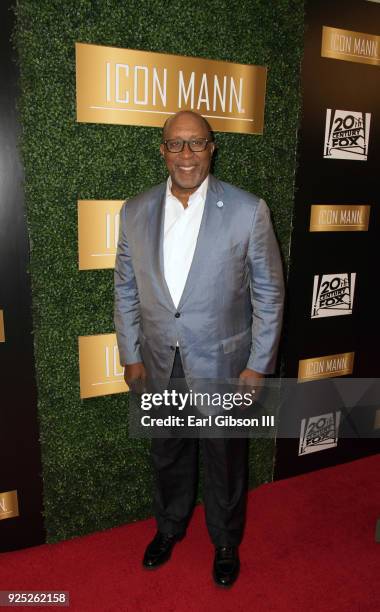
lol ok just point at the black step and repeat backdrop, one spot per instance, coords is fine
(331, 326)
(332, 322)
(21, 521)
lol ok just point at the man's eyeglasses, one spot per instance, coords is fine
(196, 145)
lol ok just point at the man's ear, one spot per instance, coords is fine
(162, 149)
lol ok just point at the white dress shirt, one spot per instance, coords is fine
(181, 229)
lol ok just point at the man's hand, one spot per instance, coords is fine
(134, 376)
(250, 380)
(248, 375)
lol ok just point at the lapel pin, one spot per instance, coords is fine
(219, 204)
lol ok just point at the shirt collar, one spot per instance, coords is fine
(200, 193)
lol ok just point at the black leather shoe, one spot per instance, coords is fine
(226, 565)
(160, 549)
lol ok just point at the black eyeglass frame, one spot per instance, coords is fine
(206, 140)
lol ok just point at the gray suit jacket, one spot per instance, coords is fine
(230, 313)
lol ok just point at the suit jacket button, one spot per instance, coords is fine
(177, 315)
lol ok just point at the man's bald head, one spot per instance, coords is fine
(187, 168)
(202, 121)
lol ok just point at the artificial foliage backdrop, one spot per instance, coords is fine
(95, 476)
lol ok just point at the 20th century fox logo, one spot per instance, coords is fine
(319, 433)
(346, 134)
(333, 295)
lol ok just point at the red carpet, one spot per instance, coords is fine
(309, 545)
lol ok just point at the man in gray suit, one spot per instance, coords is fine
(198, 295)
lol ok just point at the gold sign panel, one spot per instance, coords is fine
(2, 331)
(98, 232)
(99, 366)
(350, 46)
(129, 87)
(328, 366)
(8, 505)
(339, 218)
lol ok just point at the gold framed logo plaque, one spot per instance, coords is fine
(350, 46)
(99, 366)
(2, 330)
(130, 87)
(339, 218)
(98, 233)
(327, 366)
(8, 505)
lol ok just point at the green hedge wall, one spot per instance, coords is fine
(96, 477)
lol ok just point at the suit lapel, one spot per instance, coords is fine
(209, 231)
(156, 224)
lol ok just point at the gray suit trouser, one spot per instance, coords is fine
(225, 467)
